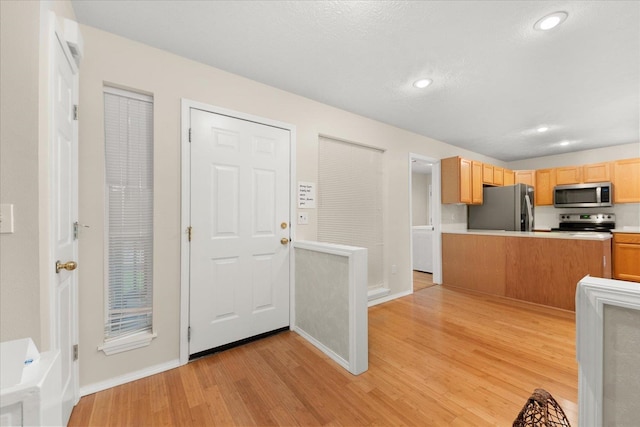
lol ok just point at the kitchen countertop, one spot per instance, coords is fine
(537, 234)
(626, 230)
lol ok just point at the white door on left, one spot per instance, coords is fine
(63, 152)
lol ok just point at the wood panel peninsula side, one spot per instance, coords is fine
(542, 268)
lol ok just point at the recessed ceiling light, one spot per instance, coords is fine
(550, 21)
(542, 129)
(422, 83)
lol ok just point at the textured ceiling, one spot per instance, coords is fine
(495, 78)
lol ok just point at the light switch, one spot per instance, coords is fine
(6, 218)
(303, 218)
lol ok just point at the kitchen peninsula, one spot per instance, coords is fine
(537, 267)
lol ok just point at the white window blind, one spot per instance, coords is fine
(350, 195)
(129, 212)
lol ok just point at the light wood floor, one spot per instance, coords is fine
(421, 280)
(438, 357)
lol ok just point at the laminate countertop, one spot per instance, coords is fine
(571, 235)
(626, 230)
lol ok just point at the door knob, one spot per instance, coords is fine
(284, 240)
(69, 266)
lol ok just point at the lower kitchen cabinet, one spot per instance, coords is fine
(540, 270)
(626, 256)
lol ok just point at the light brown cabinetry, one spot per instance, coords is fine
(492, 175)
(596, 172)
(457, 181)
(545, 181)
(534, 269)
(569, 175)
(498, 176)
(626, 256)
(509, 177)
(476, 183)
(626, 181)
(526, 177)
(487, 174)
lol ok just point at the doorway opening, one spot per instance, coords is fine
(424, 226)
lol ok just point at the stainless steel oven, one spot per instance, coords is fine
(577, 222)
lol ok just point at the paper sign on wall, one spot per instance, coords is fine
(306, 195)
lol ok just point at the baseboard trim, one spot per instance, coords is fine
(389, 298)
(378, 293)
(126, 378)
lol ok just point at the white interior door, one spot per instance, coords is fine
(239, 265)
(64, 213)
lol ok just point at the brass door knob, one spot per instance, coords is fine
(284, 240)
(69, 266)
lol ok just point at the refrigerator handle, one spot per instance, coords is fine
(527, 200)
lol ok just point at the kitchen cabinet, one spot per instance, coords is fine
(498, 176)
(487, 174)
(626, 256)
(626, 181)
(596, 172)
(492, 175)
(526, 177)
(509, 177)
(476, 182)
(457, 181)
(568, 175)
(541, 270)
(545, 181)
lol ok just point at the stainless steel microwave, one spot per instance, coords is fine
(592, 195)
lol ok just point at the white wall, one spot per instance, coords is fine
(109, 58)
(420, 198)
(25, 266)
(19, 275)
(597, 155)
(627, 214)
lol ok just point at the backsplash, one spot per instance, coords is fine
(627, 214)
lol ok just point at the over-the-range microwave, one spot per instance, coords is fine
(592, 195)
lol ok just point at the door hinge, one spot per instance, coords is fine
(189, 232)
(75, 112)
(76, 229)
(75, 352)
(189, 134)
(189, 333)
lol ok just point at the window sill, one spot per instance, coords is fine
(130, 342)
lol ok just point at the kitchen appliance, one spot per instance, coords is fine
(575, 222)
(592, 195)
(508, 208)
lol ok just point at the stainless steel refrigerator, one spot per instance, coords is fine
(507, 208)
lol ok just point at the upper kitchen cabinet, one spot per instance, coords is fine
(509, 177)
(492, 175)
(476, 183)
(597, 172)
(498, 176)
(487, 174)
(526, 177)
(568, 175)
(458, 181)
(626, 181)
(545, 181)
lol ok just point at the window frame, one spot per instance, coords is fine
(140, 338)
